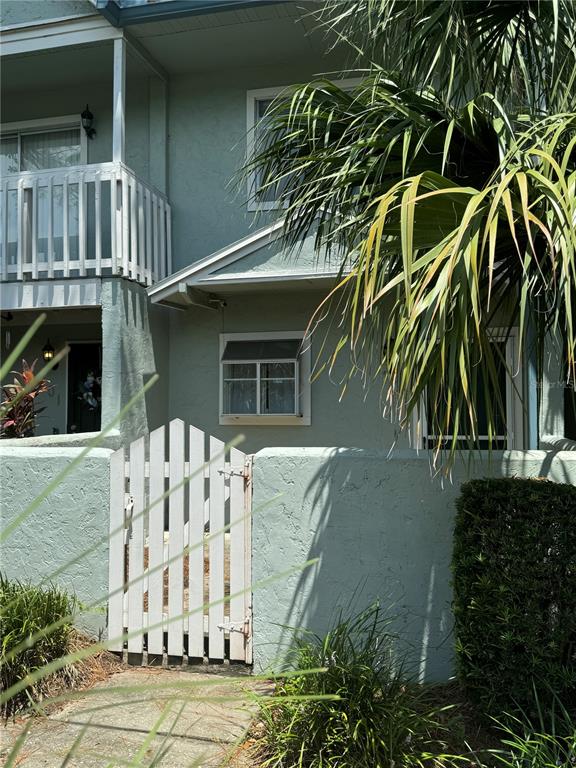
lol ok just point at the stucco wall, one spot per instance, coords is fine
(72, 100)
(356, 420)
(380, 528)
(74, 518)
(207, 147)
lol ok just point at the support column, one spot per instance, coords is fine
(119, 105)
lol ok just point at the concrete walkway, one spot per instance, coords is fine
(199, 717)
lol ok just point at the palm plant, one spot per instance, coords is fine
(445, 185)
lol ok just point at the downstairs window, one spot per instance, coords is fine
(509, 418)
(264, 379)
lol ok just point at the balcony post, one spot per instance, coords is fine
(119, 106)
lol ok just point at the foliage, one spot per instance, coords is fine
(24, 611)
(550, 743)
(18, 410)
(514, 569)
(367, 714)
(444, 186)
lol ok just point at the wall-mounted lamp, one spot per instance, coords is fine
(87, 119)
(48, 353)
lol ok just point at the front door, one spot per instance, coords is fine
(84, 387)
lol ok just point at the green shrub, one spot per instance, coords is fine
(514, 576)
(24, 611)
(372, 717)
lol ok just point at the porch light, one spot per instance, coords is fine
(48, 353)
(87, 119)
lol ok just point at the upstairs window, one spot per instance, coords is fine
(264, 379)
(30, 147)
(258, 104)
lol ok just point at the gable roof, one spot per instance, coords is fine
(256, 260)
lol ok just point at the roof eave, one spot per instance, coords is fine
(140, 14)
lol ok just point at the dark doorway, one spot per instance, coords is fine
(84, 387)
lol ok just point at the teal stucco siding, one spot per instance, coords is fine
(381, 529)
(353, 420)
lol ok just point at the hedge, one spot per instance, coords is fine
(514, 579)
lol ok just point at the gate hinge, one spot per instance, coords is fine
(235, 626)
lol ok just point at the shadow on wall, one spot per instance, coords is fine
(381, 530)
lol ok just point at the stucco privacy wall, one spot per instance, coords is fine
(73, 519)
(381, 528)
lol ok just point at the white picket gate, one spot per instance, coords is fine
(179, 564)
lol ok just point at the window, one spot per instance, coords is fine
(264, 378)
(509, 424)
(37, 145)
(257, 105)
(258, 102)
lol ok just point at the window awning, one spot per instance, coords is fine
(273, 349)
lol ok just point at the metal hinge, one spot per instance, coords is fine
(235, 626)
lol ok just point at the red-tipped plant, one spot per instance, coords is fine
(18, 410)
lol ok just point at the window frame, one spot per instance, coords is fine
(252, 98)
(514, 408)
(45, 125)
(302, 417)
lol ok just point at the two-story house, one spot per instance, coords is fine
(124, 125)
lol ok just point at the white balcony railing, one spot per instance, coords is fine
(83, 221)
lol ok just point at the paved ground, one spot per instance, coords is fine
(204, 717)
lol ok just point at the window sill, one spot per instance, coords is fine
(271, 205)
(265, 421)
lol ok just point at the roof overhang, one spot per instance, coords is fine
(56, 33)
(203, 282)
(121, 15)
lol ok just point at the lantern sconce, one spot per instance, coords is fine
(48, 353)
(87, 120)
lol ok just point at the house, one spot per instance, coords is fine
(124, 125)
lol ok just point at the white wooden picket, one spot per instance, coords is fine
(180, 527)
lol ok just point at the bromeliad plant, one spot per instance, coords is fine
(444, 184)
(18, 410)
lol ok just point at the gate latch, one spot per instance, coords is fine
(233, 471)
(235, 626)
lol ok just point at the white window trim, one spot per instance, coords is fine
(304, 388)
(514, 409)
(47, 125)
(252, 97)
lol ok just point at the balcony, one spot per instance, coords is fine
(94, 220)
